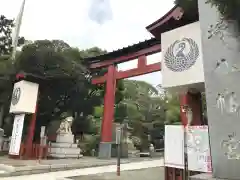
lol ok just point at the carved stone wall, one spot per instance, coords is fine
(221, 59)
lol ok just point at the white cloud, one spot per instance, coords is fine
(68, 20)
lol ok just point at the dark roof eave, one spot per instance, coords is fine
(173, 13)
(175, 18)
(124, 51)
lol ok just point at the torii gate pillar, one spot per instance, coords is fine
(108, 114)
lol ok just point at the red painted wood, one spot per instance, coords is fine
(109, 99)
(99, 80)
(20, 76)
(183, 101)
(139, 71)
(165, 173)
(142, 62)
(147, 51)
(194, 102)
(130, 73)
(34, 152)
(175, 13)
(180, 177)
(30, 136)
(174, 173)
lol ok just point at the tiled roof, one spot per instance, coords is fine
(124, 51)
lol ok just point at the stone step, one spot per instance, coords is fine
(65, 138)
(58, 150)
(64, 145)
(54, 155)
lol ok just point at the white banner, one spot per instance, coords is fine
(16, 135)
(199, 158)
(173, 149)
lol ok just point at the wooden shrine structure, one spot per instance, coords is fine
(175, 18)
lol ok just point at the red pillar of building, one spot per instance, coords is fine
(108, 114)
(30, 135)
(193, 101)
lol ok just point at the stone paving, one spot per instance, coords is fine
(93, 171)
(143, 174)
(24, 167)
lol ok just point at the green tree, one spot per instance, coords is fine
(7, 73)
(64, 82)
(6, 26)
(149, 109)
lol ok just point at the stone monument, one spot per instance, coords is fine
(124, 152)
(132, 150)
(64, 147)
(220, 47)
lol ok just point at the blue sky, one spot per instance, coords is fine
(68, 20)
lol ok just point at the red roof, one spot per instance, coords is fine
(175, 18)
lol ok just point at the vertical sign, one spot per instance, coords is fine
(197, 147)
(118, 135)
(16, 134)
(199, 158)
(42, 133)
(174, 146)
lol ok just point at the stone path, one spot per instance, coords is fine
(143, 174)
(77, 173)
(24, 167)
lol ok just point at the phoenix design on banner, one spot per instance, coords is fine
(181, 55)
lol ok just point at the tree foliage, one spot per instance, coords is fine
(149, 109)
(187, 5)
(228, 9)
(65, 86)
(6, 26)
(7, 73)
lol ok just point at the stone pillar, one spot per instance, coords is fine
(108, 114)
(221, 70)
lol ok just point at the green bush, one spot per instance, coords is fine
(91, 142)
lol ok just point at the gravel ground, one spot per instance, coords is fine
(143, 174)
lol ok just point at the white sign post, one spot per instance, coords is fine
(118, 135)
(24, 99)
(118, 142)
(16, 135)
(197, 146)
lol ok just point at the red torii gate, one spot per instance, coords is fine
(175, 18)
(138, 51)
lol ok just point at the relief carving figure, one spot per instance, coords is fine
(222, 30)
(218, 29)
(232, 147)
(228, 101)
(225, 67)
